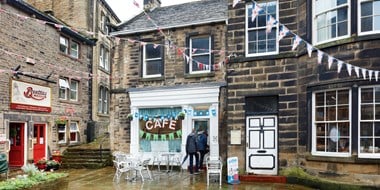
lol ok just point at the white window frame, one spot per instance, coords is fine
(360, 154)
(62, 131)
(66, 86)
(74, 52)
(250, 6)
(314, 132)
(360, 20)
(314, 22)
(199, 54)
(103, 100)
(63, 42)
(104, 58)
(102, 22)
(76, 131)
(151, 59)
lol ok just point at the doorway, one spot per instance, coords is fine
(262, 151)
(16, 137)
(39, 141)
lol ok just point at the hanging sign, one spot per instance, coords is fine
(31, 97)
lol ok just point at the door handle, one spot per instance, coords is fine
(261, 151)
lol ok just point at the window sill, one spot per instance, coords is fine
(152, 79)
(69, 101)
(103, 114)
(73, 58)
(199, 75)
(353, 159)
(351, 39)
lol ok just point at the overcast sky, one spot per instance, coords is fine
(125, 9)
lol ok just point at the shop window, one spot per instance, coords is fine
(331, 123)
(160, 130)
(258, 41)
(369, 127)
(61, 133)
(69, 47)
(104, 57)
(331, 20)
(103, 100)
(152, 61)
(200, 55)
(74, 132)
(68, 89)
(369, 16)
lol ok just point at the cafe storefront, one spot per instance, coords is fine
(163, 117)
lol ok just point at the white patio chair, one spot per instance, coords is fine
(176, 161)
(157, 160)
(214, 168)
(143, 166)
(122, 166)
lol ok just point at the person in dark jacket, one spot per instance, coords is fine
(202, 146)
(192, 151)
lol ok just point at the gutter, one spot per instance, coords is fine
(124, 32)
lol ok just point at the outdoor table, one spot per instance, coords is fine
(168, 156)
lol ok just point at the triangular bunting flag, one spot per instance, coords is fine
(163, 137)
(142, 133)
(179, 133)
(340, 64)
(136, 4)
(357, 71)
(376, 75)
(330, 61)
(171, 136)
(255, 11)
(349, 69)
(309, 49)
(270, 22)
(370, 72)
(320, 56)
(148, 136)
(296, 41)
(155, 45)
(283, 32)
(364, 73)
(235, 3)
(131, 41)
(194, 50)
(155, 137)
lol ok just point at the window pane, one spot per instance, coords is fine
(271, 45)
(344, 129)
(262, 46)
(321, 143)
(331, 98)
(73, 90)
(367, 95)
(272, 35)
(73, 127)
(63, 44)
(262, 20)
(74, 49)
(342, 14)
(341, 2)
(331, 113)
(366, 24)
(73, 136)
(152, 52)
(343, 112)
(366, 112)
(377, 94)
(153, 67)
(377, 129)
(377, 111)
(366, 9)
(376, 9)
(320, 99)
(62, 93)
(377, 22)
(203, 63)
(342, 29)
(366, 129)
(252, 47)
(319, 114)
(201, 44)
(344, 144)
(343, 97)
(262, 35)
(252, 36)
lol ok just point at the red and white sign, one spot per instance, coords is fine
(31, 97)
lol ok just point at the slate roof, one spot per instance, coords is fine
(193, 13)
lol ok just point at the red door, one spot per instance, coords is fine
(39, 144)
(16, 136)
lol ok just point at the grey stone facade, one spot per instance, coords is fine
(293, 77)
(23, 38)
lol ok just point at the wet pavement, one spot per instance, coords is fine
(102, 179)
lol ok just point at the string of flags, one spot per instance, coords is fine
(297, 41)
(162, 137)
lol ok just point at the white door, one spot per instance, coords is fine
(262, 153)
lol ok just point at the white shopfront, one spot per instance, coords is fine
(156, 128)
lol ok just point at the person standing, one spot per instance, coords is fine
(192, 151)
(202, 147)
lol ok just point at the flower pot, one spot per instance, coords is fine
(41, 166)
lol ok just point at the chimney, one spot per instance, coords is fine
(149, 5)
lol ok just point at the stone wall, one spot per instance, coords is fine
(29, 38)
(127, 71)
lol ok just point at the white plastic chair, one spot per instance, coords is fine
(122, 165)
(143, 166)
(214, 167)
(157, 159)
(176, 161)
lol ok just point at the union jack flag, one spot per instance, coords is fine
(255, 11)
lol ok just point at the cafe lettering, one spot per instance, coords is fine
(161, 124)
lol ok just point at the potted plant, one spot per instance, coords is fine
(52, 165)
(130, 117)
(41, 164)
(181, 115)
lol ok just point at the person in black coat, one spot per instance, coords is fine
(202, 146)
(192, 151)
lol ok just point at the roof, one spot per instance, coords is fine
(182, 15)
(25, 7)
(110, 10)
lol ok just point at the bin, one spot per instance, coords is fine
(3, 163)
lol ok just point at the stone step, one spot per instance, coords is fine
(84, 165)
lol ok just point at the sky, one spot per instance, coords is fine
(125, 9)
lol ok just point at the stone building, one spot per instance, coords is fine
(96, 19)
(44, 67)
(292, 109)
(170, 60)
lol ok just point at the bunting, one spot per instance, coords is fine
(296, 42)
(309, 49)
(330, 61)
(283, 32)
(235, 3)
(255, 11)
(270, 23)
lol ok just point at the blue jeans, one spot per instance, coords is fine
(191, 155)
